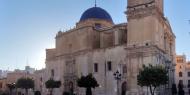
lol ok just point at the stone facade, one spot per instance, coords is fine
(3, 87)
(39, 82)
(147, 38)
(182, 72)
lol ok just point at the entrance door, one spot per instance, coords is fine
(71, 87)
(124, 88)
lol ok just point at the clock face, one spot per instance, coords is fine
(138, 2)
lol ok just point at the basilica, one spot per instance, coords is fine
(96, 45)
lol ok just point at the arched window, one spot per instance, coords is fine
(1, 85)
(52, 72)
(124, 88)
(95, 67)
(124, 69)
(97, 26)
(180, 74)
(109, 64)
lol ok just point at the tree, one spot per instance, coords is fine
(11, 86)
(25, 83)
(87, 82)
(152, 77)
(51, 84)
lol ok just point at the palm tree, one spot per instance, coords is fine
(51, 84)
(25, 83)
(87, 82)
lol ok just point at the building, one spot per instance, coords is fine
(39, 81)
(3, 87)
(27, 69)
(3, 73)
(182, 73)
(3, 81)
(98, 46)
(11, 77)
(30, 70)
(14, 76)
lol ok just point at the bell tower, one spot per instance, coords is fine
(145, 18)
(150, 39)
(135, 3)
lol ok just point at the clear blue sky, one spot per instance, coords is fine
(28, 27)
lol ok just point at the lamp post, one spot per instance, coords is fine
(117, 76)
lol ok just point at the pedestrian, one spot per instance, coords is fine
(174, 89)
(180, 89)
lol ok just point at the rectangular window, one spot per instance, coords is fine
(97, 26)
(165, 42)
(181, 82)
(1, 85)
(180, 74)
(180, 60)
(125, 69)
(52, 73)
(188, 74)
(109, 65)
(95, 67)
(41, 79)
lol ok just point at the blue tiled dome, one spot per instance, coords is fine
(96, 12)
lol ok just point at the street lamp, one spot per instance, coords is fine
(117, 76)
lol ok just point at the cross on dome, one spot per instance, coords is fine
(95, 3)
